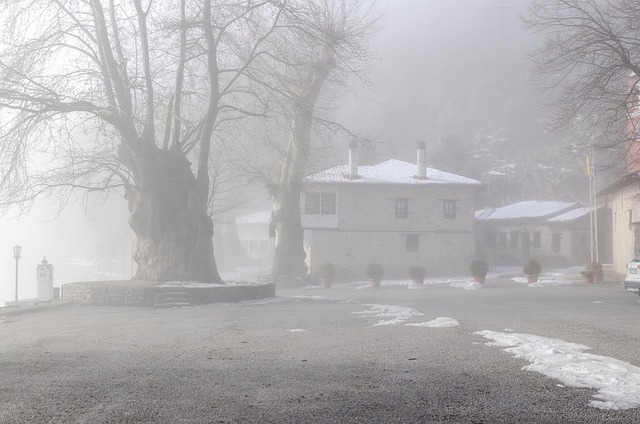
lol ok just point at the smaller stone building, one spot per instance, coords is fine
(554, 232)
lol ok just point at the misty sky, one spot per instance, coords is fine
(432, 55)
(435, 54)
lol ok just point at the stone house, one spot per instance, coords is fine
(395, 213)
(554, 232)
(623, 197)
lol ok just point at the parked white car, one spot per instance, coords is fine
(632, 279)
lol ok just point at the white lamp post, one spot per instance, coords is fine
(16, 254)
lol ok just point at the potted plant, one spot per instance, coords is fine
(327, 272)
(478, 270)
(532, 270)
(593, 272)
(375, 273)
(417, 274)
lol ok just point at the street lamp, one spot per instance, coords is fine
(16, 254)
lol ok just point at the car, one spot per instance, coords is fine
(632, 279)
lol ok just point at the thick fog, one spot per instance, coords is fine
(441, 67)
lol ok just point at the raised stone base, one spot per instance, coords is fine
(145, 293)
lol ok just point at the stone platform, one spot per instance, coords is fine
(152, 294)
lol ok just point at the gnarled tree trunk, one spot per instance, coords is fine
(168, 213)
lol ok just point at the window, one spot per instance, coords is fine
(402, 208)
(536, 239)
(449, 209)
(412, 242)
(555, 242)
(320, 203)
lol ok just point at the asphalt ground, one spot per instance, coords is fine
(307, 357)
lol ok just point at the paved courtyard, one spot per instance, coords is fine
(312, 355)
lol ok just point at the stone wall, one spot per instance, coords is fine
(121, 294)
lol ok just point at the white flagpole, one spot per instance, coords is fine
(595, 204)
(590, 174)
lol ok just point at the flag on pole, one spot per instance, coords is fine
(588, 164)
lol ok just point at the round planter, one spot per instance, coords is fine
(532, 279)
(480, 279)
(599, 276)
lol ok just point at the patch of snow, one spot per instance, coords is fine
(440, 322)
(316, 297)
(548, 279)
(296, 330)
(391, 171)
(466, 284)
(530, 209)
(617, 382)
(396, 314)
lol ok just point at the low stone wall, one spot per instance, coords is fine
(102, 293)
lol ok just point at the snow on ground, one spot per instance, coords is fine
(617, 382)
(317, 297)
(440, 322)
(393, 314)
(296, 330)
(463, 283)
(466, 284)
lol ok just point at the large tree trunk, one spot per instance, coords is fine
(168, 213)
(289, 252)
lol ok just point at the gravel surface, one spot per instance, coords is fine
(307, 358)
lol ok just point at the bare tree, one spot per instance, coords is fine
(103, 94)
(326, 45)
(590, 62)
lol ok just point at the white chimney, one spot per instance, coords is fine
(353, 160)
(422, 161)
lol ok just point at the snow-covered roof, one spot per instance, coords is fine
(484, 213)
(263, 217)
(391, 171)
(528, 209)
(571, 215)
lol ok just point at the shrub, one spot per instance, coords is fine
(478, 268)
(375, 271)
(532, 267)
(417, 273)
(326, 270)
(594, 267)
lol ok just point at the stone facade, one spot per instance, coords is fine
(365, 229)
(624, 201)
(556, 238)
